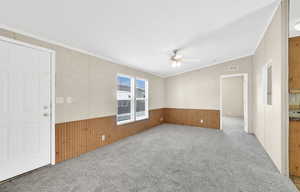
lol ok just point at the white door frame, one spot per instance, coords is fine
(52, 89)
(245, 98)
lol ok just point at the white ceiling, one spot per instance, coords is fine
(141, 34)
(294, 17)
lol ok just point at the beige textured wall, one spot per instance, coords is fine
(232, 97)
(200, 89)
(268, 119)
(90, 81)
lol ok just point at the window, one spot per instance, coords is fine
(132, 97)
(141, 99)
(267, 76)
(125, 95)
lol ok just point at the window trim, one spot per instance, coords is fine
(133, 99)
(132, 92)
(146, 99)
(265, 83)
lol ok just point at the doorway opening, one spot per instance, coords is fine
(234, 101)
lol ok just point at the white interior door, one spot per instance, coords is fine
(25, 123)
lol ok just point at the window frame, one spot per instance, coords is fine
(132, 93)
(146, 99)
(265, 77)
(133, 99)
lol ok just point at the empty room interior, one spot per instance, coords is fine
(156, 96)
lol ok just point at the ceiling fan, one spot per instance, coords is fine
(177, 59)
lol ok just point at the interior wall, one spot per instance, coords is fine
(269, 121)
(232, 97)
(87, 84)
(200, 89)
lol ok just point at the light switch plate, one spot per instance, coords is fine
(59, 100)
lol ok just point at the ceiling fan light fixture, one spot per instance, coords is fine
(174, 64)
(178, 57)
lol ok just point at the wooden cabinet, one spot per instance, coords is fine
(294, 64)
(294, 148)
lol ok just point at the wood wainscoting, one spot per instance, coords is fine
(75, 138)
(78, 137)
(294, 148)
(193, 117)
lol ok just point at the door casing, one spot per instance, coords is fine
(245, 98)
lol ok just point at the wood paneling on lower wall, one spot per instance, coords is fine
(193, 117)
(294, 148)
(78, 137)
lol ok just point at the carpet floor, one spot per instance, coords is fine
(167, 158)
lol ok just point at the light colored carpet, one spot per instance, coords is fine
(167, 158)
(233, 124)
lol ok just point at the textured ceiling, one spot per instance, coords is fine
(141, 34)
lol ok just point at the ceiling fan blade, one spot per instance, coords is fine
(191, 59)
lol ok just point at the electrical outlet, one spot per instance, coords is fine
(161, 119)
(69, 100)
(103, 137)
